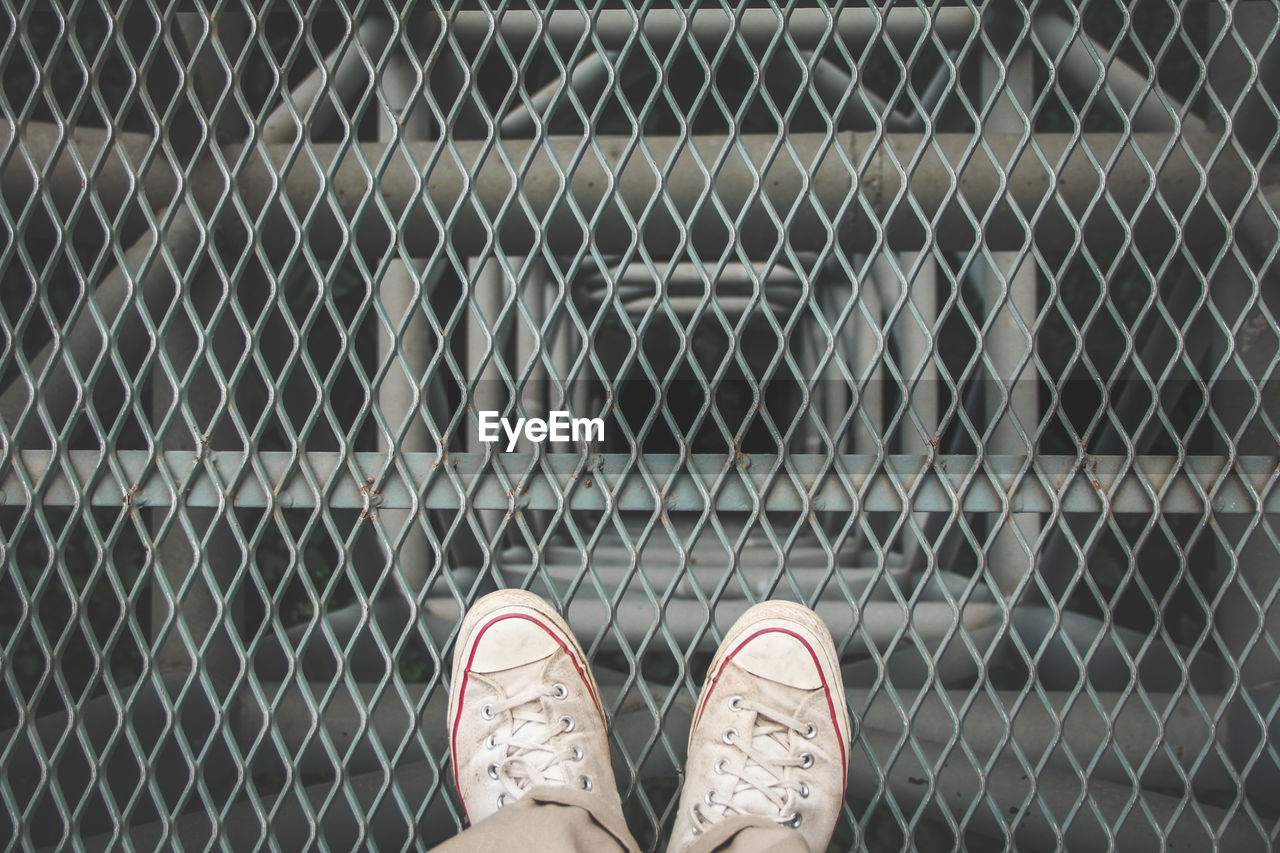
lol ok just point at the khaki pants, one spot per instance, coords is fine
(549, 819)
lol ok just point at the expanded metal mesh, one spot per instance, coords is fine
(955, 321)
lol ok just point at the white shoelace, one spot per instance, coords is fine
(533, 753)
(776, 743)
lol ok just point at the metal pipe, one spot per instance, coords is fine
(863, 108)
(754, 567)
(910, 283)
(606, 186)
(1092, 66)
(1008, 282)
(1244, 399)
(615, 189)
(1128, 426)
(195, 605)
(933, 93)
(864, 330)
(403, 398)
(683, 275)
(1244, 73)
(1243, 395)
(808, 344)
(487, 342)
(211, 80)
(306, 107)
(486, 338)
(832, 293)
(530, 341)
(563, 391)
(407, 345)
(588, 81)
(59, 377)
(125, 164)
(659, 29)
(529, 366)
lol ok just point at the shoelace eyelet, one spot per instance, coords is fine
(811, 733)
(806, 761)
(560, 691)
(491, 742)
(577, 754)
(719, 766)
(567, 722)
(735, 703)
(794, 821)
(709, 798)
(486, 713)
(585, 782)
(804, 790)
(728, 735)
(502, 800)
(493, 771)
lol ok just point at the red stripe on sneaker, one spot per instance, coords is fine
(462, 689)
(826, 691)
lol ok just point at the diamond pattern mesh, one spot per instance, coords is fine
(955, 321)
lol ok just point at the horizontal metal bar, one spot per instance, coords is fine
(369, 481)
(658, 29)
(967, 190)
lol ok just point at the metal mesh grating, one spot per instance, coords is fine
(955, 321)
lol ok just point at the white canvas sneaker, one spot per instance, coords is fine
(771, 732)
(523, 707)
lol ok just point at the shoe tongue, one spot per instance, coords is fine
(537, 731)
(542, 719)
(765, 741)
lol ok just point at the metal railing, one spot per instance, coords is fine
(954, 322)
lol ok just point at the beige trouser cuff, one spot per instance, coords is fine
(559, 818)
(749, 834)
(549, 818)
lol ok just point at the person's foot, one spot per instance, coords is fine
(523, 707)
(771, 732)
